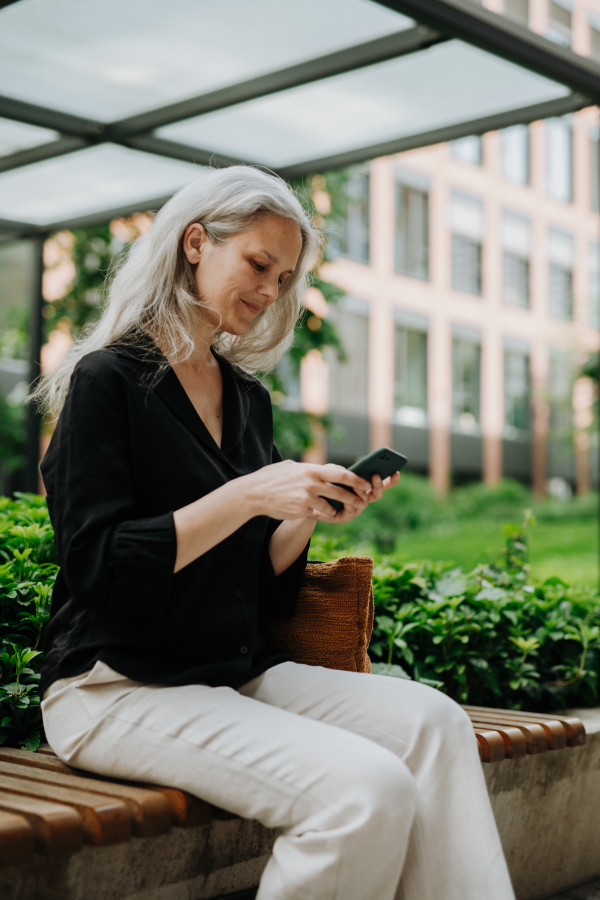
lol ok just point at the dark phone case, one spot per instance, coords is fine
(383, 462)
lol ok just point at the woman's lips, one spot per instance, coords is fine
(251, 306)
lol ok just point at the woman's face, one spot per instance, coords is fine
(244, 274)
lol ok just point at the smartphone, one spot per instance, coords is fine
(383, 462)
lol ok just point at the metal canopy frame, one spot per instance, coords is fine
(438, 21)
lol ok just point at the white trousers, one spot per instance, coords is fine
(375, 781)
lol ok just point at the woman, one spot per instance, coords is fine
(180, 531)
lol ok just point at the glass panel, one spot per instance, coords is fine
(595, 284)
(559, 159)
(466, 265)
(348, 382)
(515, 280)
(17, 265)
(15, 136)
(468, 149)
(350, 235)
(378, 103)
(517, 393)
(560, 292)
(560, 393)
(412, 232)
(410, 384)
(517, 9)
(112, 59)
(466, 378)
(514, 153)
(87, 181)
(559, 23)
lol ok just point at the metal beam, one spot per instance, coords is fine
(439, 135)
(381, 49)
(174, 150)
(65, 123)
(15, 230)
(41, 152)
(505, 38)
(34, 419)
(106, 215)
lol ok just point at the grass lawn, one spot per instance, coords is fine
(568, 548)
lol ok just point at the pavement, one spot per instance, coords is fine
(589, 891)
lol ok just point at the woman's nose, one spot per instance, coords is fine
(270, 289)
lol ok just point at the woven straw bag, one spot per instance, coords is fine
(334, 616)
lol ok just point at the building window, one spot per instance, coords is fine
(560, 274)
(595, 285)
(348, 235)
(559, 21)
(559, 158)
(466, 380)
(412, 231)
(349, 381)
(514, 154)
(560, 388)
(516, 253)
(517, 9)
(410, 376)
(466, 217)
(517, 392)
(468, 149)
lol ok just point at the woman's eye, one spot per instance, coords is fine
(259, 267)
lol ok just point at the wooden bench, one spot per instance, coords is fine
(49, 808)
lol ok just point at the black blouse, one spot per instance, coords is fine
(123, 457)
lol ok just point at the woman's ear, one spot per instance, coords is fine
(193, 239)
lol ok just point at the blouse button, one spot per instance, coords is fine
(238, 593)
(243, 649)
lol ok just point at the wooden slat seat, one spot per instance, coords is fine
(105, 820)
(57, 828)
(16, 840)
(515, 743)
(573, 727)
(54, 808)
(149, 810)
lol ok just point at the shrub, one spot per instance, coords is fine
(488, 637)
(413, 504)
(28, 568)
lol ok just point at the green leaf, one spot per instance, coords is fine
(393, 670)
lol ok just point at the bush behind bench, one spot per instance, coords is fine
(487, 637)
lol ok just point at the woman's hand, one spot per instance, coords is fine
(291, 490)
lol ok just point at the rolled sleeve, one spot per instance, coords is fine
(144, 554)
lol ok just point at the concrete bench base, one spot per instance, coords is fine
(547, 807)
(548, 812)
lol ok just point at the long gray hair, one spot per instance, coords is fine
(153, 291)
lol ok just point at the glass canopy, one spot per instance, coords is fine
(107, 107)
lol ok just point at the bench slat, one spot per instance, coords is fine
(574, 727)
(150, 812)
(16, 840)
(556, 735)
(106, 820)
(515, 744)
(56, 828)
(491, 745)
(187, 811)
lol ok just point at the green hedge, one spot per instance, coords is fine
(28, 568)
(491, 636)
